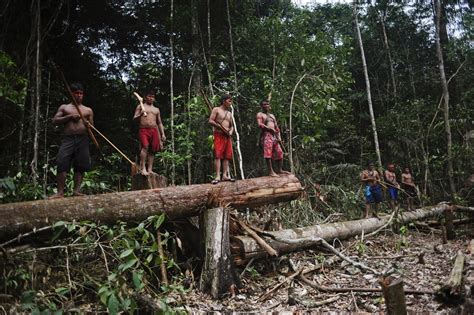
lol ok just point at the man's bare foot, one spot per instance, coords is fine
(78, 194)
(144, 172)
(284, 173)
(228, 179)
(56, 196)
(273, 174)
(375, 215)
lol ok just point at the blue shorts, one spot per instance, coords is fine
(393, 192)
(373, 194)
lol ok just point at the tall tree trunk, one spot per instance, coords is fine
(173, 166)
(45, 140)
(37, 94)
(195, 43)
(234, 66)
(290, 127)
(209, 29)
(367, 84)
(444, 85)
(389, 55)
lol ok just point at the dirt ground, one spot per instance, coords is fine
(381, 252)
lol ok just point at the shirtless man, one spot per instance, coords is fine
(74, 143)
(391, 179)
(151, 133)
(221, 122)
(408, 184)
(373, 192)
(270, 139)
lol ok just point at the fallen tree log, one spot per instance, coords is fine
(285, 241)
(175, 202)
(450, 292)
(468, 305)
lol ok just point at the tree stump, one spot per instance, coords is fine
(150, 181)
(450, 233)
(218, 275)
(394, 295)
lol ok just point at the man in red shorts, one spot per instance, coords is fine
(151, 133)
(270, 139)
(223, 128)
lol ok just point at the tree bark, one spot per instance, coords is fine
(37, 94)
(451, 291)
(173, 167)
(389, 55)
(150, 181)
(367, 84)
(394, 295)
(468, 305)
(449, 218)
(175, 202)
(444, 84)
(285, 241)
(218, 274)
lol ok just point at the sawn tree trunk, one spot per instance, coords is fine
(175, 202)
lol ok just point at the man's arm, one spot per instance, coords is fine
(159, 123)
(364, 177)
(138, 112)
(91, 121)
(61, 118)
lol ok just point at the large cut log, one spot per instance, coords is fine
(175, 202)
(285, 241)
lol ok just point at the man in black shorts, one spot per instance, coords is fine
(408, 184)
(74, 147)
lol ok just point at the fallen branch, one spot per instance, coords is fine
(354, 263)
(356, 289)
(294, 275)
(270, 250)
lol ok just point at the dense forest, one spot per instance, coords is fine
(382, 81)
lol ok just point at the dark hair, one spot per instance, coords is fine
(224, 98)
(370, 162)
(264, 101)
(149, 92)
(76, 87)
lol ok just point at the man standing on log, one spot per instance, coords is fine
(408, 185)
(222, 126)
(151, 133)
(393, 186)
(270, 139)
(75, 142)
(373, 192)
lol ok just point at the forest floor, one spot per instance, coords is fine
(384, 251)
(381, 252)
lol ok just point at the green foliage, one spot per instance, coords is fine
(12, 85)
(128, 264)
